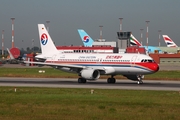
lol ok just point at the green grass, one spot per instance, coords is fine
(54, 73)
(80, 104)
(165, 75)
(34, 72)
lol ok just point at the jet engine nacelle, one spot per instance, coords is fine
(134, 77)
(90, 74)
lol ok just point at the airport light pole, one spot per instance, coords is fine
(141, 35)
(48, 25)
(101, 31)
(147, 33)
(159, 37)
(33, 45)
(120, 24)
(2, 42)
(12, 32)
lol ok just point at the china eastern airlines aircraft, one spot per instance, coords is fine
(89, 66)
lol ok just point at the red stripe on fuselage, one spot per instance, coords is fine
(151, 66)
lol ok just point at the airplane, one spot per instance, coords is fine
(12, 59)
(91, 66)
(169, 42)
(10, 54)
(86, 39)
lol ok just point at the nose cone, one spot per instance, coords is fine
(155, 67)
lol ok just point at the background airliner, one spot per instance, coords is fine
(169, 42)
(91, 66)
(12, 59)
(86, 39)
(134, 41)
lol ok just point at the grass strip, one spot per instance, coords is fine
(54, 73)
(79, 104)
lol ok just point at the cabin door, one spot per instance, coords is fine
(133, 60)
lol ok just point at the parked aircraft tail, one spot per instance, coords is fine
(86, 39)
(169, 42)
(10, 54)
(134, 41)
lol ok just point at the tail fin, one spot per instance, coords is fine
(86, 39)
(169, 41)
(47, 45)
(10, 54)
(134, 41)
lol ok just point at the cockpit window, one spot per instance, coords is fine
(147, 60)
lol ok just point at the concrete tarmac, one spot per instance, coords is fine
(98, 84)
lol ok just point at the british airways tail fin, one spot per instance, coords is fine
(134, 41)
(86, 39)
(169, 42)
(47, 45)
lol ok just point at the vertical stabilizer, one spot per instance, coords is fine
(10, 54)
(47, 45)
(86, 39)
(169, 42)
(134, 41)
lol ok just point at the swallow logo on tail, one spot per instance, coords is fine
(44, 39)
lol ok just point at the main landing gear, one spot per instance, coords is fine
(81, 80)
(111, 79)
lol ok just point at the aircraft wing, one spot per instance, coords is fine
(62, 65)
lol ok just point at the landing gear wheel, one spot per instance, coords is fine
(140, 77)
(84, 80)
(111, 80)
(81, 80)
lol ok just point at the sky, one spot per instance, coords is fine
(66, 16)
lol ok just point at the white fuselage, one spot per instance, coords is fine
(110, 63)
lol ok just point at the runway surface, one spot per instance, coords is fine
(99, 84)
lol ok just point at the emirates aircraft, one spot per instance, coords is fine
(89, 66)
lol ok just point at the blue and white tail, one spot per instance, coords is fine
(47, 45)
(169, 42)
(86, 39)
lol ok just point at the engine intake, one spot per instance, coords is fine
(90, 74)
